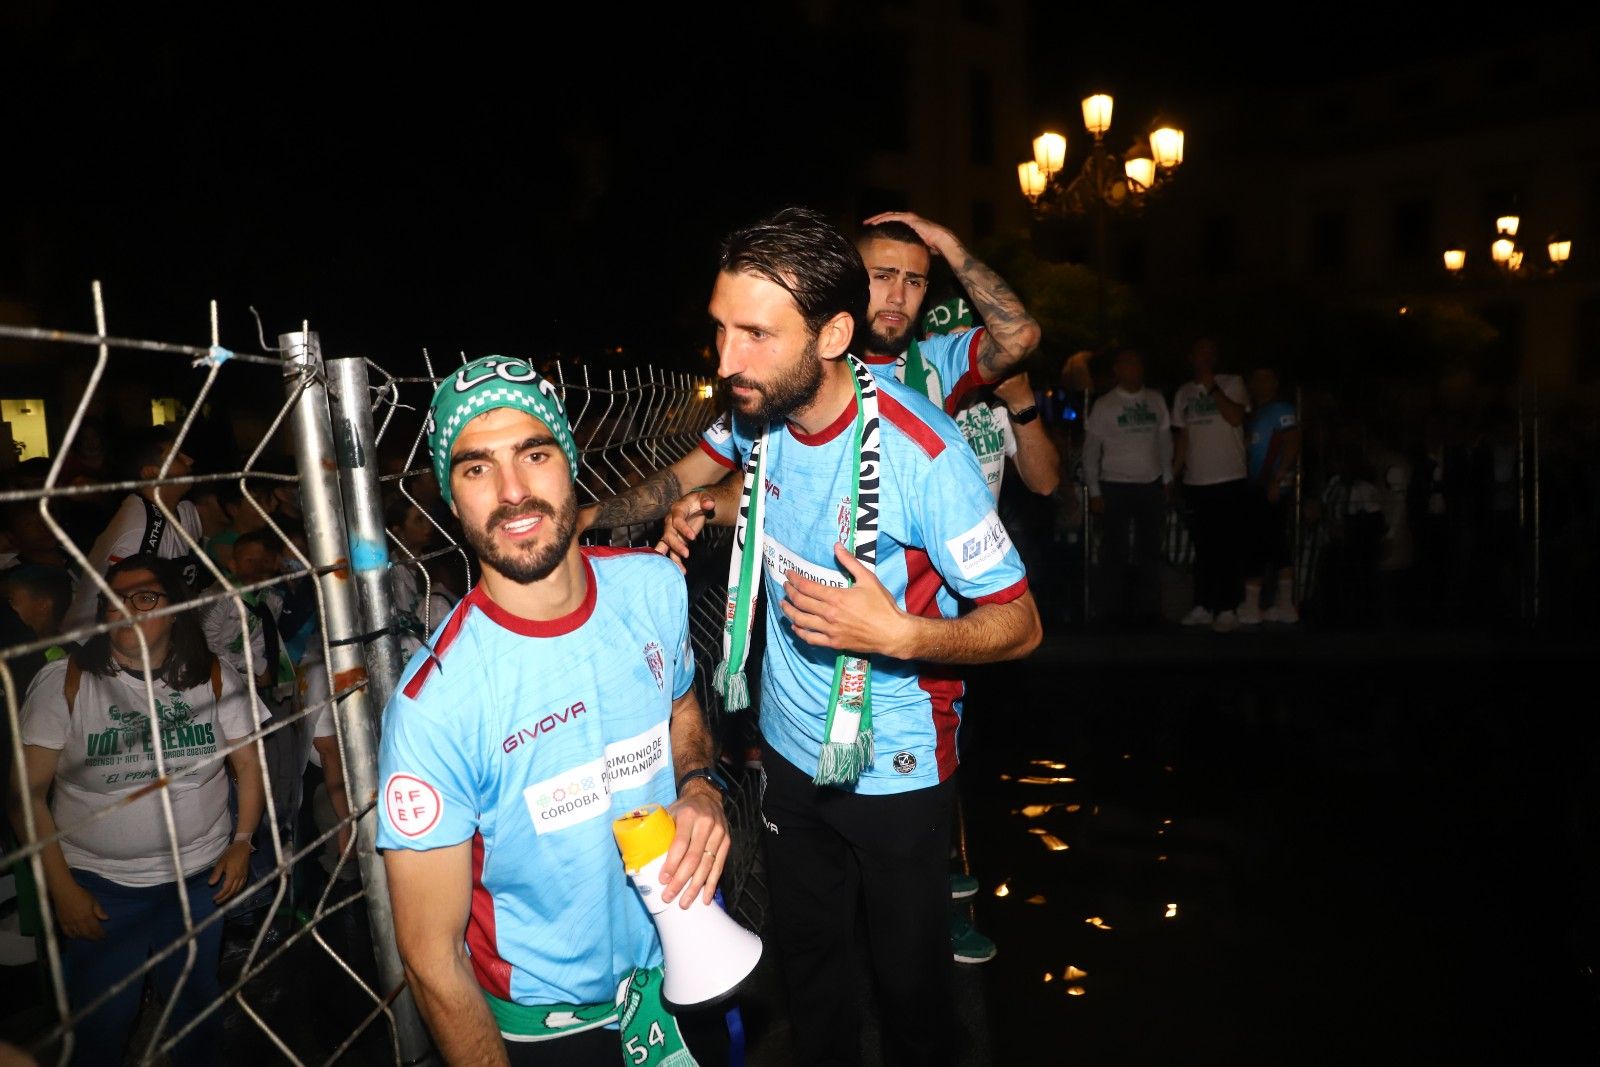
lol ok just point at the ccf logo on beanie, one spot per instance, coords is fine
(483, 385)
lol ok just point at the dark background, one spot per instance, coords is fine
(553, 181)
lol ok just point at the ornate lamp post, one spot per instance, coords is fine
(1509, 256)
(1102, 184)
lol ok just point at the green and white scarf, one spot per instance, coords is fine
(915, 372)
(847, 746)
(647, 1031)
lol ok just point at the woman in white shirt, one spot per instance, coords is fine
(116, 877)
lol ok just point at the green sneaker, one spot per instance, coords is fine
(963, 886)
(967, 944)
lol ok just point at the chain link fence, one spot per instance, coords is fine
(370, 561)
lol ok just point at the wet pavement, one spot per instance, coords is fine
(1253, 849)
(1201, 850)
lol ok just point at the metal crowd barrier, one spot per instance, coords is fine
(338, 415)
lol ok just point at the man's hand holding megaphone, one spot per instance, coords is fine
(700, 846)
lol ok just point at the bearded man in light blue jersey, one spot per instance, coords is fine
(953, 370)
(861, 522)
(555, 697)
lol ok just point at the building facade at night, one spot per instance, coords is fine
(1355, 190)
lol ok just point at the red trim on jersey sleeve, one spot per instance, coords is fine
(942, 684)
(447, 636)
(718, 456)
(972, 379)
(924, 435)
(539, 627)
(1006, 595)
(493, 973)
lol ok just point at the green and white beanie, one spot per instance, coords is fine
(483, 385)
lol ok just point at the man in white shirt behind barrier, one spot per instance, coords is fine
(1127, 463)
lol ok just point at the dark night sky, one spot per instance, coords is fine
(488, 185)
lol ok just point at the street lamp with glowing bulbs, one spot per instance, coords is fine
(1100, 182)
(1508, 256)
(1103, 183)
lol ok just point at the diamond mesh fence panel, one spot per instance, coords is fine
(124, 760)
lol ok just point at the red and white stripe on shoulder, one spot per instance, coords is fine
(607, 551)
(973, 378)
(447, 637)
(908, 423)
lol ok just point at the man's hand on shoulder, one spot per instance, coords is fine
(699, 848)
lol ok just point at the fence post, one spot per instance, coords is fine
(1524, 540)
(355, 443)
(1301, 578)
(1088, 519)
(325, 534)
(1537, 447)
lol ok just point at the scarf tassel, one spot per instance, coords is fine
(842, 763)
(734, 685)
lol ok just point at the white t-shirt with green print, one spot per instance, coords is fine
(987, 428)
(108, 752)
(1216, 448)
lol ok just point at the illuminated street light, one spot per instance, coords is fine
(1103, 183)
(1097, 114)
(1032, 179)
(1167, 144)
(1560, 247)
(1049, 152)
(1141, 172)
(1509, 256)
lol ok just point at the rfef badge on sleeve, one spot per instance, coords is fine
(413, 806)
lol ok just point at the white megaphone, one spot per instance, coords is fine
(706, 953)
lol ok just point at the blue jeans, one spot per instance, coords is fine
(143, 919)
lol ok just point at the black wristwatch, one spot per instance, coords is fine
(1025, 416)
(703, 772)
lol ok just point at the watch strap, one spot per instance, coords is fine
(702, 772)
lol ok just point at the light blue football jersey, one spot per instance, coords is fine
(528, 738)
(939, 539)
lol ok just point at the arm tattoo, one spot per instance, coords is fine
(1012, 334)
(645, 502)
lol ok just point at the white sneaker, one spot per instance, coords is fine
(1198, 617)
(1249, 614)
(1288, 615)
(1226, 623)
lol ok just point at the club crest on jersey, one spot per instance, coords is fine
(904, 762)
(658, 665)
